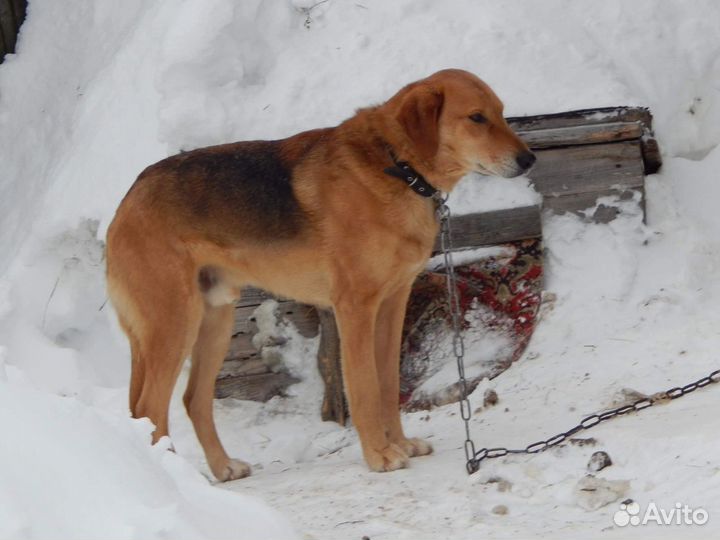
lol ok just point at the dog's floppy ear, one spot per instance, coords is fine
(418, 115)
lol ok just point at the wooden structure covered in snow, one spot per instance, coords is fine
(582, 155)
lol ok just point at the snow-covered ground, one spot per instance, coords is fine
(99, 89)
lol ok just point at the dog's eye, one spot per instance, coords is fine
(478, 118)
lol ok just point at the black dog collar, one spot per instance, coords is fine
(412, 178)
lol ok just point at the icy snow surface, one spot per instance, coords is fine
(99, 89)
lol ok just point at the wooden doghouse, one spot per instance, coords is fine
(582, 155)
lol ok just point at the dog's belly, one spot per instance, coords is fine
(291, 272)
(306, 287)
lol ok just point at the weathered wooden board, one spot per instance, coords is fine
(587, 169)
(260, 387)
(577, 135)
(571, 178)
(233, 368)
(586, 117)
(252, 296)
(496, 227)
(581, 117)
(302, 316)
(581, 202)
(241, 347)
(251, 379)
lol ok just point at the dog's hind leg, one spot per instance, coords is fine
(166, 342)
(207, 358)
(137, 371)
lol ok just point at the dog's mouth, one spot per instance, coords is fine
(483, 171)
(503, 171)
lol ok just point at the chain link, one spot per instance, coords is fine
(473, 457)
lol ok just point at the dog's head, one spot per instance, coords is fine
(453, 124)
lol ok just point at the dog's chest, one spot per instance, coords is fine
(416, 237)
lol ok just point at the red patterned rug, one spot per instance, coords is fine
(499, 295)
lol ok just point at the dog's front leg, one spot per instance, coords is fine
(388, 341)
(356, 322)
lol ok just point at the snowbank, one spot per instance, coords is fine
(75, 471)
(99, 89)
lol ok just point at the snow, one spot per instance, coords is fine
(116, 487)
(100, 89)
(476, 193)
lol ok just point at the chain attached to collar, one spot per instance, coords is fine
(446, 245)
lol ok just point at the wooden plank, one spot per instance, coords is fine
(257, 387)
(497, 227)
(592, 168)
(241, 347)
(652, 160)
(251, 379)
(240, 368)
(252, 296)
(243, 319)
(303, 316)
(582, 117)
(578, 203)
(584, 134)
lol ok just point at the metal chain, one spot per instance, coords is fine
(593, 420)
(446, 244)
(474, 458)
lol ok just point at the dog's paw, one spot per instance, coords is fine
(388, 459)
(231, 469)
(415, 447)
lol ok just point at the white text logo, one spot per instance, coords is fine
(681, 514)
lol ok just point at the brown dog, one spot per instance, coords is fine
(313, 217)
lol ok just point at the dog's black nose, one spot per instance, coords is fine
(525, 160)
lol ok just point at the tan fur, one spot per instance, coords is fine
(364, 238)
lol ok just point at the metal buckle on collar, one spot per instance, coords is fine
(412, 178)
